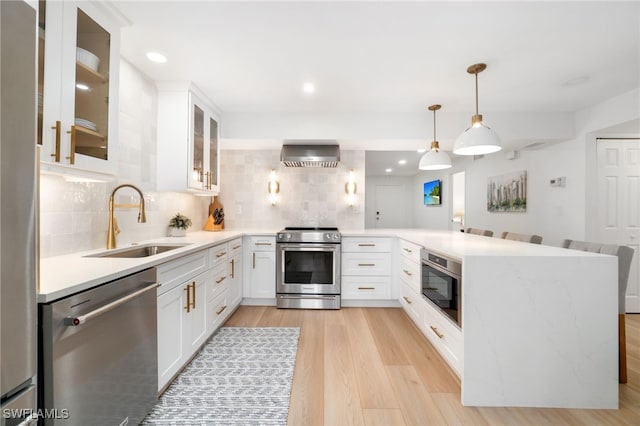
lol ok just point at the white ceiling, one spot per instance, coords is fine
(390, 57)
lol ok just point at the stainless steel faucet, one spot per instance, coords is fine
(113, 224)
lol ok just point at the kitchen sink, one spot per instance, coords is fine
(135, 251)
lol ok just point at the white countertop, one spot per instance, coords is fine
(62, 276)
(460, 245)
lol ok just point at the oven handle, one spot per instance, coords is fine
(293, 296)
(79, 320)
(309, 246)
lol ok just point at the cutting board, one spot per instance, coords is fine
(215, 221)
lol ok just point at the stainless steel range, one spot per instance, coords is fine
(308, 268)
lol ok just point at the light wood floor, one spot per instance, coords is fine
(373, 366)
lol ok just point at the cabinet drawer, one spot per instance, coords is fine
(366, 288)
(263, 243)
(235, 247)
(180, 270)
(218, 310)
(366, 264)
(446, 337)
(412, 304)
(218, 281)
(366, 245)
(218, 254)
(409, 250)
(410, 274)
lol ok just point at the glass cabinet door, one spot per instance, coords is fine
(89, 135)
(198, 171)
(213, 154)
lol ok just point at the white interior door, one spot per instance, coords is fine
(390, 208)
(618, 211)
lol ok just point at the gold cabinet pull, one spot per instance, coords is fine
(366, 245)
(233, 268)
(407, 272)
(407, 250)
(57, 128)
(193, 288)
(219, 311)
(366, 264)
(188, 290)
(260, 243)
(366, 288)
(72, 148)
(406, 299)
(221, 254)
(219, 280)
(254, 261)
(236, 247)
(435, 330)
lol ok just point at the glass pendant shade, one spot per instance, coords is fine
(434, 159)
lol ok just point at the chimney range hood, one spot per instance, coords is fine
(309, 155)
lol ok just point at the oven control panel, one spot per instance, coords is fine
(308, 236)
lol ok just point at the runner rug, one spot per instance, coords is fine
(242, 376)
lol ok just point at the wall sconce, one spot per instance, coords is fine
(273, 187)
(351, 188)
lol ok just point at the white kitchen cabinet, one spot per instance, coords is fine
(182, 318)
(366, 268)
(188, 134)
(78, 89)
(260, 267)
(181, 326)
(235, 272)
(442, 333)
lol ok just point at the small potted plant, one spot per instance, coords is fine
(178, 225)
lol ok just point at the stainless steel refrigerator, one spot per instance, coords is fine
(18, 191)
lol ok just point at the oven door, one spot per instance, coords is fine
(442, 288)
(304, 268)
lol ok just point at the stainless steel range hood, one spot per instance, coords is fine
(309, 155)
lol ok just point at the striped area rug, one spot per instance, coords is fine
(242, 376)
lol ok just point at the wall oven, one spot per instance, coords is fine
(308, 268)
(442, 284)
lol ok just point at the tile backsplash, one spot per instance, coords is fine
(74, 215)
(307, 197)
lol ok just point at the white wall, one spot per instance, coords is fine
(432, 217)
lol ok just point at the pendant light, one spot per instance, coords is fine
(477, 139)
(434, 159)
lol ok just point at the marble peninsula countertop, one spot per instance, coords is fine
(61, 276)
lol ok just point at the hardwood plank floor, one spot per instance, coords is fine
(372, 366)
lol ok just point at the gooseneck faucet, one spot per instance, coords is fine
(113, 224)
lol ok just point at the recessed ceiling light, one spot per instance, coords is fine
(388, 170)
(156, 57)
(421, 151)
(308, 88)
(402, 162)
(82, 86)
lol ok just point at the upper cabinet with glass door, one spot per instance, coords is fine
(188, 134)
(78, 87)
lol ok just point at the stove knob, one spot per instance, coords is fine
(289, 236)
(336, 237)
(327, 237)
(280, 236)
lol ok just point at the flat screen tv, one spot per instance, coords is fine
(432, 192)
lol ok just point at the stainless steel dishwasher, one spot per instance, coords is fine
(98, 363)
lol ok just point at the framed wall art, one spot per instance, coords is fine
(507, 193)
